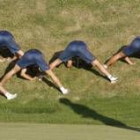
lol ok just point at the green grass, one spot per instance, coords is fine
(105, 25)
(64, 132)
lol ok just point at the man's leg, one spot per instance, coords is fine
(114, 58)
(8, 95)
(57, 81)
(97, 64)
(10, 74)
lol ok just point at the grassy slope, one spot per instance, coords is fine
(105, 25)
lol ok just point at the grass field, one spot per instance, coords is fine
(64, 132)
(49, 25)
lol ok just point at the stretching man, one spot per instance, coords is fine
(125, 52)
(31, 57)
(7, 41)
(79, 48)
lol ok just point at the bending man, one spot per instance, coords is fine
(79, 48)
(31, 57)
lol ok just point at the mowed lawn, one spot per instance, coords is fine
(64, 132)
(49, 25)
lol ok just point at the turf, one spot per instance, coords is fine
(105, 25)
(64, 132)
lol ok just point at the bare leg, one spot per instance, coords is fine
(129, 61)
(10, 74)
(8, 95)
(97, 64)
(55, 63)
(114, 58)
(57, 81)
(104, 71)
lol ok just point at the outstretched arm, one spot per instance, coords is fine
(25, 75)
(129, 61)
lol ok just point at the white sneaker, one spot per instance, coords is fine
(113, 79)
(66, 91)
(11, 96)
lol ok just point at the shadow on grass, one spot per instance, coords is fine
(49, 83)
(86, 112)
(9, 67)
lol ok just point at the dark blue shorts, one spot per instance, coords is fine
(77, 48)
(133, 48)
(33, 57)
(7, 40)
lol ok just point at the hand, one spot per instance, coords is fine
(33, 79)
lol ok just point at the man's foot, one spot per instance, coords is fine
(113, 79)
(11, 96)
(64, 90)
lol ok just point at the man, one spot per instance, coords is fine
(32, 72)
(125, 52)
(31, 57)
(79, 48)
(7, 41)
(74, 61)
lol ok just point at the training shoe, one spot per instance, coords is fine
(11, 96)
(66, 91)
(113, 79)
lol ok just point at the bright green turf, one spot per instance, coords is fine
(49, 25)
(65, 132)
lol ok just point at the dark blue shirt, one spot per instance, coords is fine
(33, 57)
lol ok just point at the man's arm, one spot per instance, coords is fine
(129, 61)
(25, 75)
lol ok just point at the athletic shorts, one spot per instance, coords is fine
(33, 57)
(7, 40)
(77, 48)
(133, 48)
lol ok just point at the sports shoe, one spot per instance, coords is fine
(64, 90)
(113, 79)
(11, 96)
